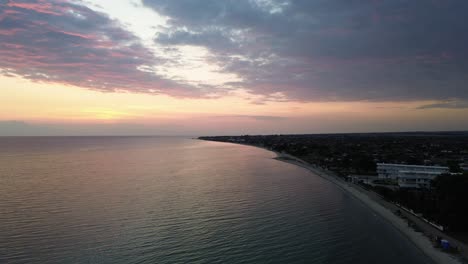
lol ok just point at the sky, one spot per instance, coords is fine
(218, 67)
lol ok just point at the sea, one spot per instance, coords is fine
(178, 200)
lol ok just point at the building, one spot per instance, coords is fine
(464, 166)
(410, 176)
(365, 179)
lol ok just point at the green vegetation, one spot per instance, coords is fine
(452, 201)
(454, 166)
(446, 203)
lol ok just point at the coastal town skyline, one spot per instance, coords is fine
(157, 67)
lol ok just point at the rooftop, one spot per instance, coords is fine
(411, 166)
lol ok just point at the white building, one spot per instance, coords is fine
(410, 176)
(464, 166)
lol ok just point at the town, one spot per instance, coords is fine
(424, 172)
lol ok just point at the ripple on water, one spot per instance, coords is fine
(174, 200)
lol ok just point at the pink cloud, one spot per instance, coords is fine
(62, 42)
(40, 6)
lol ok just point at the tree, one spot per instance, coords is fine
(364, 164)
(454, 166)
(452, 201)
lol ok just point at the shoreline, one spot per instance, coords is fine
(421, 241)
(418, 239)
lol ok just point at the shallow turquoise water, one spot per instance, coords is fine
(176, 200)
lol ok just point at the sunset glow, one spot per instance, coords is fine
(153, 67)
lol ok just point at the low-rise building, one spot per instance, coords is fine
(410, 176)
(464, 166)
(365, 179)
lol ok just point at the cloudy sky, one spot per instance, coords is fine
(202, 67)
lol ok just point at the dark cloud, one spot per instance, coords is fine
(65, 42)
(331, 49)
(447, 105)
(310, 50)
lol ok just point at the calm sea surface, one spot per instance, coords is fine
(175, 200)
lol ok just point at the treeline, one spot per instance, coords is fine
(347, 154)
(344, 154)
(446, 203)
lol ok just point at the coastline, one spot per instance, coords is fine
(418, 239)
(421, 241)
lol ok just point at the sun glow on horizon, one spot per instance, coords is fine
(62, 104)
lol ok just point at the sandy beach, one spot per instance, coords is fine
(419, 239)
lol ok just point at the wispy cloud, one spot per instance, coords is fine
(447, 105)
